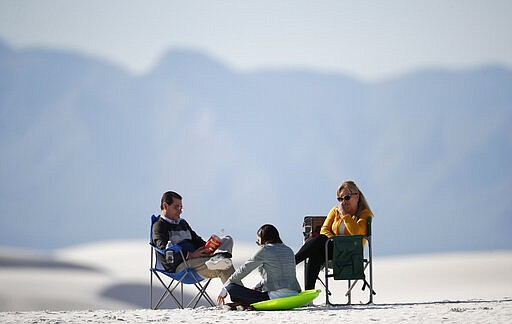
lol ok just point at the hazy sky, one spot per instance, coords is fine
(367, 39)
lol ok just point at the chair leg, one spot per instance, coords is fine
(326, 271)
(351, 286)
(151, 290)
(181, 290)
(212, 303)
(323, 284)
(151, 281)
(205, 294)
(170, 288)
(327, 292)
(349, 294)
(202, 293)
(370, 258)
(349, 291)
(168, 292)
(350, 283)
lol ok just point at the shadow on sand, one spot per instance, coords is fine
(40, 261)
(138, 295)
(395, 305)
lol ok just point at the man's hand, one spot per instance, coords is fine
(201, 252)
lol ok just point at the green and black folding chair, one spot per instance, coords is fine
(350, 263)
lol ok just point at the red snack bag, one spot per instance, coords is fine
(213, 243)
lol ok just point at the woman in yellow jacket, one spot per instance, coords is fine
(350, 217)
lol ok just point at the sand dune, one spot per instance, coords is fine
(108, 281)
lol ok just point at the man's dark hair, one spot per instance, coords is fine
(168, 197)
(269, 234)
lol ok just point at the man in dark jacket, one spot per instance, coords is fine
(171, 228)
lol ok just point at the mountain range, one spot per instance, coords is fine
(88, 149)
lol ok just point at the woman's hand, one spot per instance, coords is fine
(343, 210)
(220, 300)
(259, 286)
(222, 296)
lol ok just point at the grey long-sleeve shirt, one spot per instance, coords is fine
(276, 265)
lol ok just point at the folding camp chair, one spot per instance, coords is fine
(171, 280)
(348, 261)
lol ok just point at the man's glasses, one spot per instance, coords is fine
(177, 207)
(346, 197)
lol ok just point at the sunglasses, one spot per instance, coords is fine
(346, 197)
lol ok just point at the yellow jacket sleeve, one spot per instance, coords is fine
(332, 223)
(357, 227)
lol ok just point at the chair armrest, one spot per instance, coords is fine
(347, 237)
(175, 248)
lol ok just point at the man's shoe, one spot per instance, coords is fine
(218, 262)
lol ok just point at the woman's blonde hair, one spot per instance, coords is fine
(352, 188)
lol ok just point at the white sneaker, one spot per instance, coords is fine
(218, 262)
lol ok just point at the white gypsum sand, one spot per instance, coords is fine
(108, 282)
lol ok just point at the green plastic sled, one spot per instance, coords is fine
(285, 303)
